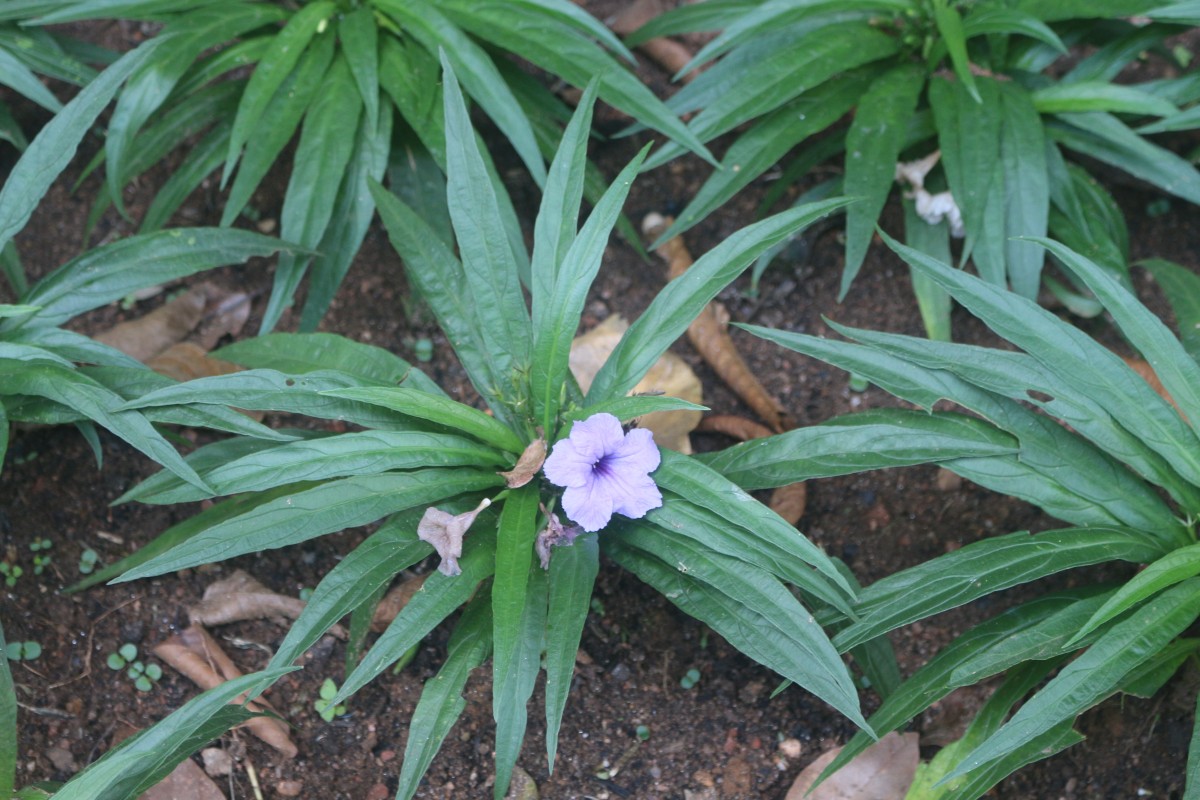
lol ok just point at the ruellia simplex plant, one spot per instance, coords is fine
(358, 80)
(433, 469)
(1082, 436)
(972, 106)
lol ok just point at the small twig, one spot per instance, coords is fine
(45, 711)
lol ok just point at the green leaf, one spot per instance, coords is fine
(932, 300)
(1173, 568)
(760, 148)
(693, 17)
(8, 698)
(181, 532)
(682, 300)
(968, 126)
(1192, 792)
(200, 162)
(950, 25)
(1095, 372)
(872, 146)
(1180, 375)
(1181, 287)
(439, 597)
(514, 685)
(627, 408)
(326, 143)
(299, 353)
(108, 273)
(1100, 96)
(3, 445)
(474, 68)
(573, 571)
(747, 606)
(353, 580)
(353, 211)
(49, 153)
(985, 19)
(360, 44)
(1094, 675)
(70, 388)
(278, 124)
(1104, 137)
(742, 515)
(1147, 678)
(1183, 121)
(313, 512)
(441, 410)
(276, 64)
(147, 757)
(984, 567)
(560, 319)
(360, 453)
(875, 439)
(1026, 187)
(20, 78)
(441, 700)
(514, 555)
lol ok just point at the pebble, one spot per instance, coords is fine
(378, 792)
(289, 788)
(217, 762)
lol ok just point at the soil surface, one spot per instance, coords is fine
(718, 739)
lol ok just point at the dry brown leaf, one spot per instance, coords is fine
(670, 375)
(198, 657)
(225, 315)
(790, 501)
(1151, 377)
(186, 782)
(187, 360)
(241, 597)
(527, 465)
(709, 335)
(150, 334)
(883, 771)
(667, 53)
(394, 601)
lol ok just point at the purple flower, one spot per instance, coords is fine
(605, 471)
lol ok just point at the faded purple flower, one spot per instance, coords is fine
(605, 471)
(445, 532)
(553, 535)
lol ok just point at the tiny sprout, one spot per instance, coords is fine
(124, 656)
(306, 593)
(40, 543)
(23, 651)
(690, 679)
(328, 691)
(144, 676)
(11, 573)
(858, 383)
(423, 349)
(88, 560)
(642, 732)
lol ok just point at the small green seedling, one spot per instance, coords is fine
(642, 732)
(11, 573)
(23, 651)
(88, 560)
(144, 676)
(40, 562)
(423, 349)
(306, 593)
(328, 692)
(690, 679)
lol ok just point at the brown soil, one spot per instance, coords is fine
(717, 740)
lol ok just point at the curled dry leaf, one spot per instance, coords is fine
(670, 375)
(788, 501)
(527, 465)
(150, 334)
(883, 771)
(709, 334)
(187, 360)
(198, 657)
(241, 597)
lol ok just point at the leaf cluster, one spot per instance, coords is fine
(981, 83)
(1091, 443)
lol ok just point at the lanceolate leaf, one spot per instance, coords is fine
(932, 300)
(1026, 187)
(513, 688)
(1182, 290)
(309, 513)
(747, 606)
(1094, 675)
(201, 161)
(514, 555)
(627, 408)
(855, 443)
(439, 597)
(950, 26)
(682, 300)
(441, 700)
(872, 146)
(53, 148)
(984, 567)
(573, 570)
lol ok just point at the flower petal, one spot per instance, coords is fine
(590, 506)
(637, 453)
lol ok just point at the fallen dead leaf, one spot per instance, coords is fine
(394, 601)
(241, 597)
(186, 782)
(883, 771)
(788, 501)
(150, 334)
(527, 465)
(791, 501)
(709, 334)
(670, 375)
(667, 53)
(187, 360)
(198, 657)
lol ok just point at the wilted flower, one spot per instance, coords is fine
(445, 532)
(554, 534)
(605, 471)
